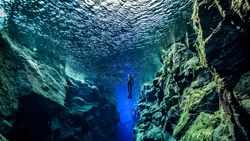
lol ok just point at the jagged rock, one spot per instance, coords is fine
(200, 100)
(39, 102)
(33, 120)
(200, 93)
(171, 93)
(146, 114)
(77, 100)
(82, 119)
(8, 89)
(151, 94)
(242, 91)
(202, 128)
(224, 132)
(171, 119)
(208, 104)
(2, 138)
(223, 33)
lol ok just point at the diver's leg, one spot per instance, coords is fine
(130, 91)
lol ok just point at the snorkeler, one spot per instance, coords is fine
(130, 83)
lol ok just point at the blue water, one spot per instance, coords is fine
(100, 41)
(124, 129)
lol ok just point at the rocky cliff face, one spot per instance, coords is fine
(202, 93)
(40, 102)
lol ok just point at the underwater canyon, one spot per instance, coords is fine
(64, 67)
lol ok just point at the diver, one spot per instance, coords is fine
(130, 83)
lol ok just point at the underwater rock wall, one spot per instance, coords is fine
(202, 94)
(38, 102)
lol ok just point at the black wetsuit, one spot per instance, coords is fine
(130, 83)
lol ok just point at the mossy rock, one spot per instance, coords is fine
(224, 131)
(203, 127)
(192, 96)
(246, 105)
(242, 91)
(181, 123)
(2, 138)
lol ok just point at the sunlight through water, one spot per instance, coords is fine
(99, 40)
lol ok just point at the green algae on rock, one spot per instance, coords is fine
(200, 93)
(205, 92)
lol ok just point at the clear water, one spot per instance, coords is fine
(99, 40)
(124, 129)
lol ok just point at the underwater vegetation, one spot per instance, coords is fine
(64, 67)
(202, 90)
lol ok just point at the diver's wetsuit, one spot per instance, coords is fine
(130, 83)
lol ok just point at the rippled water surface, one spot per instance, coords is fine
(100, 40)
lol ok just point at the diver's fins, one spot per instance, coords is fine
(129, 96)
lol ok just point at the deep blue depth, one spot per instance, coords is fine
(124, 129)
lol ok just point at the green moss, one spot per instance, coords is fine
(2, 138)
(173, 58)
(191, 66)
(222, 12)
(203, 127)
(241, 7)
(191, 97)
(246, 104)
(217, 79)
(200, 42)
(224, 131)
(154, 133)
(182, 122)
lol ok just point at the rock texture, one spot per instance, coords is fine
(39, 102)
(202, 93)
